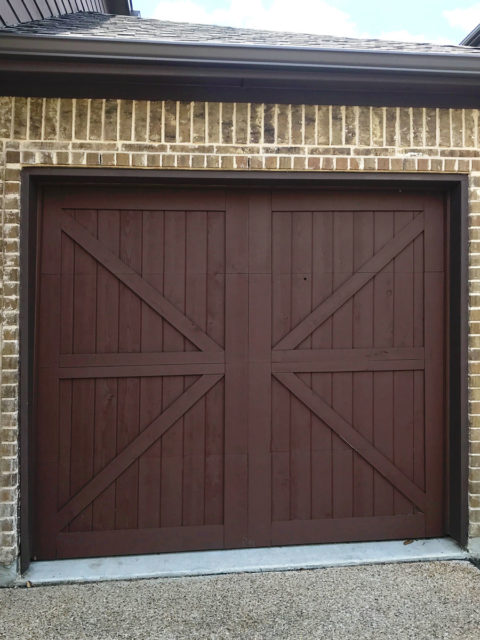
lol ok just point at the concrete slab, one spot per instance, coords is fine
(200, 563)
(396, 601)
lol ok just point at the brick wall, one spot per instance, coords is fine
(220, 136)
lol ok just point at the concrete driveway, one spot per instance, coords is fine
(428, 600)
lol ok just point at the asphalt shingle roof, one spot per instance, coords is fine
(113, 27)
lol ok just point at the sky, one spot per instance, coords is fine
(439, 21)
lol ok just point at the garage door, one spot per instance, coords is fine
(226, 368)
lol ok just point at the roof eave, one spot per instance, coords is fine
(25, 58)
(220, 54)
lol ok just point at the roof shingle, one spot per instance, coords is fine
(115, 27)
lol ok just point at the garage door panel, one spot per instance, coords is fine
(169, 303)
(253, 375)
(176, 458)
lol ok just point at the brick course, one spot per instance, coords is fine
(168, 134)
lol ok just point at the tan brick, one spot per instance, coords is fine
(198, 161)
(285, 162)
(256, 163)
(405, 138)
(213, 114)
(111, 120)
(199, 110)
(12, 157)
(140, 111)
(154, 160)
(271, 162)
(20, 118)
(323, 125)
(444, 128)
(241, 123)
(35, 118)
(378, 123)
(350, 135)
(338, 125)
(418, 128)
(310, 123)
(155, 123)
(283, 124)
(256, 123)
(470, 128)
(431, 127)
(107, 159)
(364, 127)
(396, 164)
(227, 123)
(139, 160)
(126, 119)
(475, 516)
(299, 163)
(6, 111)
(123, 159)
(269, 123)
(51, 118)
(456, 116)
(81, 119)
(168, 160)
(95, 125)
(241, 162)
(227, 162)
(213, 162)
(391, 126)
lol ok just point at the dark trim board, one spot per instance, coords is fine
(454, 186)
(67, 67)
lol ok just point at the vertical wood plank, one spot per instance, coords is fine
(281, 324)
(172, 441)
(194, 419)
(363, 302)
(342, 330)
(129, 341)
(300, 427)
(149, 464)
(434, 362)
(83, 391)
(106, 390)
(403, 322)
(383, 381)
(236, 371)
(259, 374)
(215, 399)
(151, 389)
(322, 264)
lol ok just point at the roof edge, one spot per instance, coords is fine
(86, 67)
(44, 48)
(473, 38)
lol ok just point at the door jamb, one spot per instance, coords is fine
(456, 185)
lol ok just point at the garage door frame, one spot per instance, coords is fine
(454, 186)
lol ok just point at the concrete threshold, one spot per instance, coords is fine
(202, 563)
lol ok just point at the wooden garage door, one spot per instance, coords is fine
(223, 368)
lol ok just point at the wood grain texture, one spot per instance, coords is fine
(254, 375)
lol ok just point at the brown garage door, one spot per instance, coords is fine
(221, 368)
